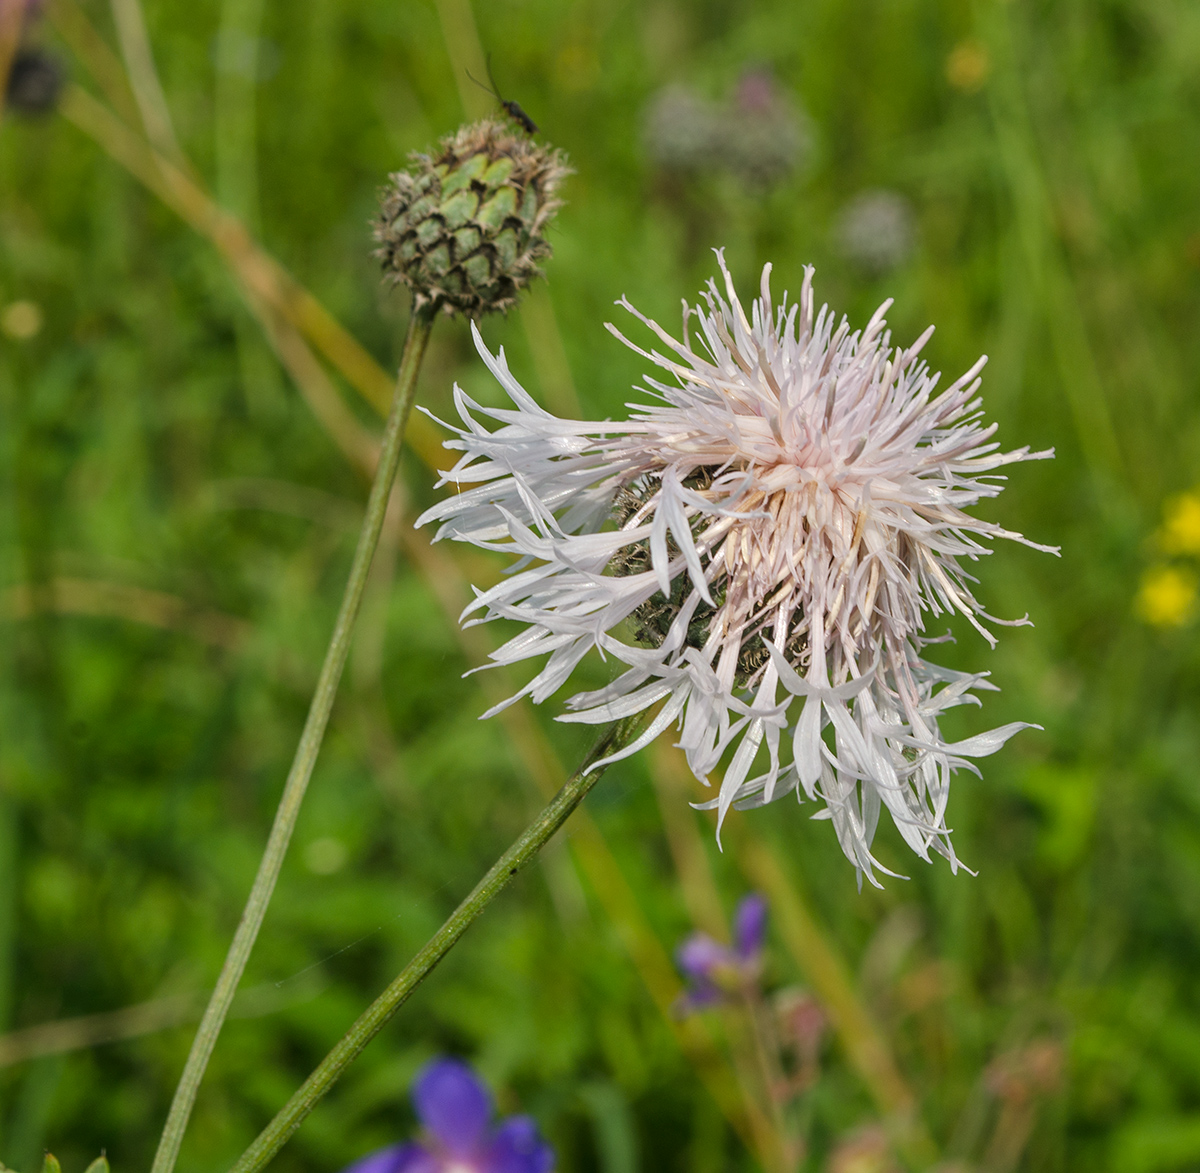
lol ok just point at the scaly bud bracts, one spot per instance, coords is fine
(463, 228)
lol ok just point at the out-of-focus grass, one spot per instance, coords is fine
(1055, 203)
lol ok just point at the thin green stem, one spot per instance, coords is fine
(306, 752)
(372, 1021)
(765, 1045)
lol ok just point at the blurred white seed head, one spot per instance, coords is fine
(760, 547)
(876, 230)
(758, 135)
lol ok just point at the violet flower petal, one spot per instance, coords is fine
(453, 1104)
(518, 1148)
(398, 1158)
(750, 926)
(700, 996)
(699, 957)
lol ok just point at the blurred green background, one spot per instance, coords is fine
(175, 528)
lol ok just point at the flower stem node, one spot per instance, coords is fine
(464, 228)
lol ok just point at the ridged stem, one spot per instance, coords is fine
(372, 1021)
(306, 752)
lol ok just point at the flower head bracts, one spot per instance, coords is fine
(455, 1109)
(465, 227)
(772, 534)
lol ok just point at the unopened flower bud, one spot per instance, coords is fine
(34, 82)
(464, 227)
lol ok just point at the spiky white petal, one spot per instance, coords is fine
(794, 504)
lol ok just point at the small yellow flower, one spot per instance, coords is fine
(1181, 525)
(1167, 597)
(21, 320)
(968, 66)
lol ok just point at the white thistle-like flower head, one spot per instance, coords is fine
(760, 549)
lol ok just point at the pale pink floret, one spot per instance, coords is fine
(829, 513)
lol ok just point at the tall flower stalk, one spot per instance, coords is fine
(306, 752)
(464, 231)
(379, 1013)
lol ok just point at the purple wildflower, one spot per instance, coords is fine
(714, 971)
(455, 1109)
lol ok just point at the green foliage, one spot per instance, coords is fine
(149, 439)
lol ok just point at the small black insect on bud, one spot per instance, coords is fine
(34, 82)
(512, 109)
